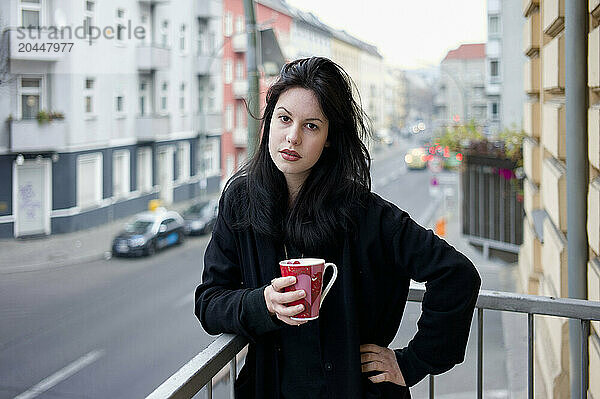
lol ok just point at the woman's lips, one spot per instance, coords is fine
(290, 155)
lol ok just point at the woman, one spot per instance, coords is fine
(306, 193)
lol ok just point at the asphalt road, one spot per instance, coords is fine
(118, 328)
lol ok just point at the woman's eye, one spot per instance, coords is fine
(312, 126)
(284, 118)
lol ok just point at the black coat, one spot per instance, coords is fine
(365, 304)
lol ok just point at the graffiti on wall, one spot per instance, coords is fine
(29, 203)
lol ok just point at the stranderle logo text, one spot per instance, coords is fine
(83, 31)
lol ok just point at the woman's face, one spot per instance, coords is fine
(298, 134)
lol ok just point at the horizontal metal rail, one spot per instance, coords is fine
(525, 303)
(199, 371)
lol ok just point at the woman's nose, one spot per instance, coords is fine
(293, 136)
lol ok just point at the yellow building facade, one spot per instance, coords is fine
(543, 255)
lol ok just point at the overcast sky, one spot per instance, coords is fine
(408, 33)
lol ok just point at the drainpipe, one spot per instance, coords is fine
(252, 70)
(577, 177)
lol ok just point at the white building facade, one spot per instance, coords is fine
(309, 37)
(494, 76)
(123, 105)
(505, 61)
(462, 92)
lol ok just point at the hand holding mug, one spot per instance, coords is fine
(277, 300)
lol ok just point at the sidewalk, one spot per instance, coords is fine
(59, 250)
(514, 326)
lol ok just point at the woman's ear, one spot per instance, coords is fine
(327, 144)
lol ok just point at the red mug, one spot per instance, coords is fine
(309, 277)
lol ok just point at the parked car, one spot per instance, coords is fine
(149, 232)
(416, 158)
(200, 218)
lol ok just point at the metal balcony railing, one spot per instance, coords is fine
(492, 215)
(201, 370)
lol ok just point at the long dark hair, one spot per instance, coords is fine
(337, 183)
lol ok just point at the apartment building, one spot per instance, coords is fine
(494, 63)
(270, 14)
(297, 34)
(126, 111)
(543, 255)
(505, 60)
(462, 96)
(309, 36)
(395, 104)
(371, 83)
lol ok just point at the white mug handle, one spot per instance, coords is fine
(326, 290)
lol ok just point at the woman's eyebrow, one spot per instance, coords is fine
(307, 119)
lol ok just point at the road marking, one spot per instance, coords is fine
(186, 300)
(61, 375)
(395, 175)
(428, 214)
(492, 394)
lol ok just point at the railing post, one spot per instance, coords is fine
(472, 200)
(431, 387)
(209, 389)
(585, 332)
(492, 210)
(479, 353)
(481, 202)
(530, 355)
(232, 375)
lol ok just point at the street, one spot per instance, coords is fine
(118, 328)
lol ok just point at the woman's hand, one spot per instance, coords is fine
(276, 300)
(378, 358)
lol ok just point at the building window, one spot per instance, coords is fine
(120, 24)
(494, 69)
(31, 13)
(494, 24)
(143, 93)
(229, 118)
(182, 98)
(164, 33)
(210, 162)
(144, 169)
(164, 97)
(201, 94)
(240, 115)
(183, 161)
(88, 16)
(201, 41)
(241, 159)
(89, 180)
(239, 24)
(182, 38)
(31, 96)
(230, 165)
(228, 67)
(145, 23)
(119, 104)
(239, 70)
(121, 173)
(212, 97)
(495, 111)
(228, 24)
(89, 95)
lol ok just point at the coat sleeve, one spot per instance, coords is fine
(452, 286)
(222, 304)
